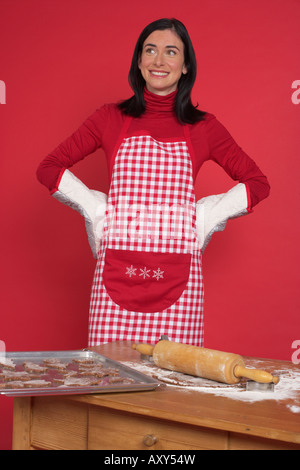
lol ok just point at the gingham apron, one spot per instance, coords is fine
(148, 277)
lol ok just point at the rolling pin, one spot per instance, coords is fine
(220, 366)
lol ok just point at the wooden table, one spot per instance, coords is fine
(167, 418)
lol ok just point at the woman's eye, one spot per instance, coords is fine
(171, 52)
(150, 51)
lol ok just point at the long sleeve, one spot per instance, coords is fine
(86, 140)
(238, 165)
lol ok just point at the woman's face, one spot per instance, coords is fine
(162, 61)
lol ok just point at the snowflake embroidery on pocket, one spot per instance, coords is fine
(131, 271)
(144, 272)
(158, 274)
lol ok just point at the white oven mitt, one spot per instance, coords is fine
(213, 212)
(89, 203)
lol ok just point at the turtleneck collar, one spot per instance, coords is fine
(159, 104)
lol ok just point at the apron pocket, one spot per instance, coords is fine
(145, 282)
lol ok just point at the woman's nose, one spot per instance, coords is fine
(159, 59)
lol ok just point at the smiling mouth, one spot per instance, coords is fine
(159, 74)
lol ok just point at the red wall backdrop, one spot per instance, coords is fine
(59, 61)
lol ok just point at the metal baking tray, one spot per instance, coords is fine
(140, 381)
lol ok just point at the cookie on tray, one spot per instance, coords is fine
(85, 360)
(34, 368)
(97, 371)
(120, 380)
(9, 376)
(7, 363)
(81, 381)
(55, 363)
(37, 384)
(14, 384)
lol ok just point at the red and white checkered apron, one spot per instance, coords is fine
(148, 278)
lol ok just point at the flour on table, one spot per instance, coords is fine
(287, 388)
(294, 409)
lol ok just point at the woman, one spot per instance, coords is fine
(148, 234)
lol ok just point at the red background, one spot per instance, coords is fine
(60, 60)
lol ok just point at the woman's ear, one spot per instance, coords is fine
(184, 70)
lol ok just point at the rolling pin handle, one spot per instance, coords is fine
(255, 374)
(146, 349)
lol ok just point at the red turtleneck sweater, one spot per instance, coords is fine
(208, 140)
